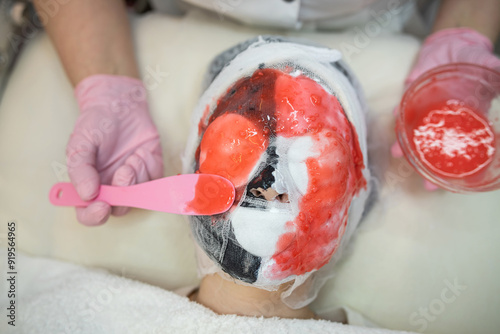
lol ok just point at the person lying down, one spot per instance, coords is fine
(284, 121)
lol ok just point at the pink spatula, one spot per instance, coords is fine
(188, 194)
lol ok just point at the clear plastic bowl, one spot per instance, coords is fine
(473, 86)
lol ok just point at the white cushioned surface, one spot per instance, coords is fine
(409, 249)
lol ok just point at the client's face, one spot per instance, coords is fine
(295, 162)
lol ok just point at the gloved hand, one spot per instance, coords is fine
(114, 142)
(454, 45)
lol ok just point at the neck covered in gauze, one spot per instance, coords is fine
(284, 123)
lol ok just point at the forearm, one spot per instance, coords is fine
(480, 15)
(92, 37)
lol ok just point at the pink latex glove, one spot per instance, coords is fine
(454, 45)
(114, 142)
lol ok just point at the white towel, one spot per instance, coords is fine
(58, 297)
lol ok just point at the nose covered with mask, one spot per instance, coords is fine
(282, 136)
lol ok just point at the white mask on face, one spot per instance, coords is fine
(284, 123)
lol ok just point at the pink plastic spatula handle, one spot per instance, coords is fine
(187, 194)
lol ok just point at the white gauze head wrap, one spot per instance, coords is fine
(285, 123)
